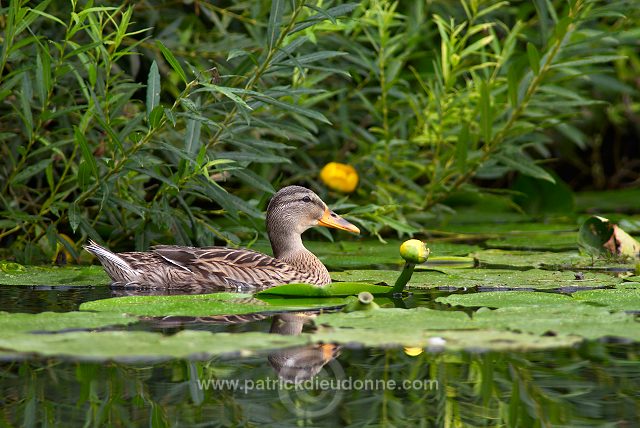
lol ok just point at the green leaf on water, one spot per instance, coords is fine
(57, 321)
(141, 345)
(627, 299)
(505, 299)
(39, 275)
(223, 303)
(330, 290)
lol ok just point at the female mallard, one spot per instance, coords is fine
(291, 211)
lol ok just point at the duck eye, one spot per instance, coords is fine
(306, 199)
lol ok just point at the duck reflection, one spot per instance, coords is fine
(291, 364)
(304, 362)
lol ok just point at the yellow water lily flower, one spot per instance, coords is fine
(339, 176)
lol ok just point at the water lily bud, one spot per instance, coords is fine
(339, 176)
(365, 297)
(364, 302)
(414, 251)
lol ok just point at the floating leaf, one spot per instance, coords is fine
(223, 303)
(74, 276)
(57, 321)
(140, 345)
(330, 290)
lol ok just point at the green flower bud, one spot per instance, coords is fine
(414, 251)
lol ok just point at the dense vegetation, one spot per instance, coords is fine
(174, 121)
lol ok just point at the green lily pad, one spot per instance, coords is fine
(492, 228)
(571, 319)
(139, 345)
(539, 242)
(616, 299)
(505, 299)
(485, 278)
(199, 305)
(530, 259)
(450, 340)
(11, 323)
(427, 328)
(335, 289)
(418, 327)
(38, 275)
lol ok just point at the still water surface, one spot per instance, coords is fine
(595, 384)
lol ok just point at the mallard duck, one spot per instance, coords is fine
(291, 211)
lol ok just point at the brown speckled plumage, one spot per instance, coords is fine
(291, 211)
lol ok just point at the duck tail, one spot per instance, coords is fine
(115, 266)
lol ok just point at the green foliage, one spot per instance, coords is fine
(165, 122)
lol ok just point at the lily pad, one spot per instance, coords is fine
(139, 345)
(336, 289)
(418, 327)
(427, 328)
(449, 340)
(530, 259)
(38, 275)
(11, 323)
(616, 299)
(572, 319)
(539, 242)
(495, 229)
(505, 299)
(485, 278)
(199, 305)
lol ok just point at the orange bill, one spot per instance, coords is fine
(331, 219)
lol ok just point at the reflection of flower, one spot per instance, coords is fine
(412, 351)
(339, 176)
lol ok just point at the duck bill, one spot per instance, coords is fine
(331, 219)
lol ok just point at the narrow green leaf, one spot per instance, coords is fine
(43, 75)
(323, 15)
(273, 27)
(192, 140)
(474, 47)
(153, 90)
(526, 166)
(597, 59)
(74, 216)
(81, 141)
(30, 171)
(534, 58)
(462, 147)
(294, 108)
(155, 118)
(172, 61)
(26, 95)
(253, 180)
(227, 92)
(486, 116)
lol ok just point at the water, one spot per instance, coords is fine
(597, 383)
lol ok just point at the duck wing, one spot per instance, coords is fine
(233, 267)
